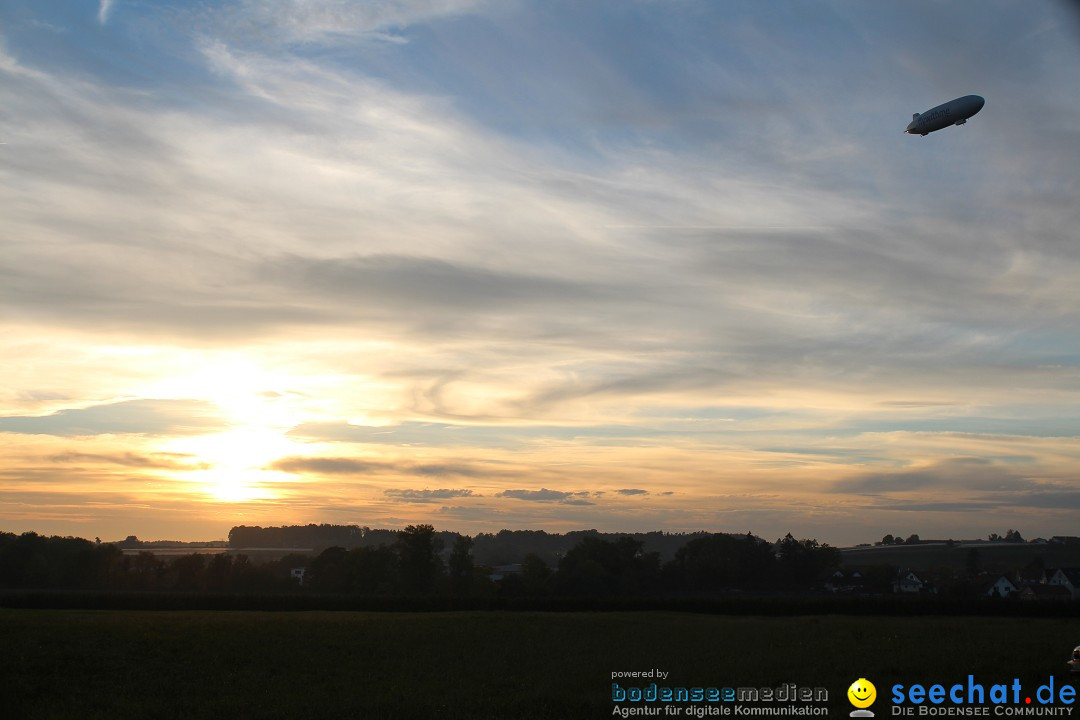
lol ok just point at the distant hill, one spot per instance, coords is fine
(131, 543)
(511, 546)
(505, 547)
(993, 556)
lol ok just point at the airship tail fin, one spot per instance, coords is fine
(915, 116)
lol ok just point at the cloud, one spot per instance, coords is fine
(941, 507)
(484, 513)
(967, 485)
(104, 8)
(963, 473)
(461, 434)
(143, 417)
(736, 300)
(630, 491)
(156, 461)
(1049, 499)
(542, 495)
(333, 21)
(655, 380)
(358, 466)
(421, 496)
(330, 466)
(435, 288)
(440, 469)
(1059, 499)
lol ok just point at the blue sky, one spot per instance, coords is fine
(495, 264)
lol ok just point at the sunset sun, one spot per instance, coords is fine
(258, 408)
(235, 462)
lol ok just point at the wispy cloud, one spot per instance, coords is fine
(155, 461)
(949, 474)
(544, 495)
(104, 8)
(354, 466)
(330, 466)
(332, 21)
(143, 417)
(422, 496)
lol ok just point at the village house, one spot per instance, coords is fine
(1000, 586)
(908, 582)
(1068, 578)
(846, 581)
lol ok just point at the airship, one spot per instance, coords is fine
(954, 112)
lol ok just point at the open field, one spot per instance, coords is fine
(127, 664)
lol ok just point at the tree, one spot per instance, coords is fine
(1034, 570)
(887, 540)
(973, 563)
(219, 572)
(373, 570)
(32, 560)
(246, 577)
(328, 572)
(803, 561)
(187, 572)
(719, 561)
(603, 567)
(913, 539)
(461, 565)
(145, 571)
(417, 550)
(880, 578)
(1013, 536)
(535, 575)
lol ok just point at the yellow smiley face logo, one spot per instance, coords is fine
(862, 693)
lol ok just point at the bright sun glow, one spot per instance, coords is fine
(260, 407)
(247, 393)
(238, 462)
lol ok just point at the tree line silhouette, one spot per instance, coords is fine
(416, 562)
(32, 561)
(502, 548)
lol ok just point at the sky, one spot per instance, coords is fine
(629, 265)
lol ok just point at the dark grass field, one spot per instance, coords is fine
(129, 664)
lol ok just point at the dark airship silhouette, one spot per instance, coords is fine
(954, 112)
